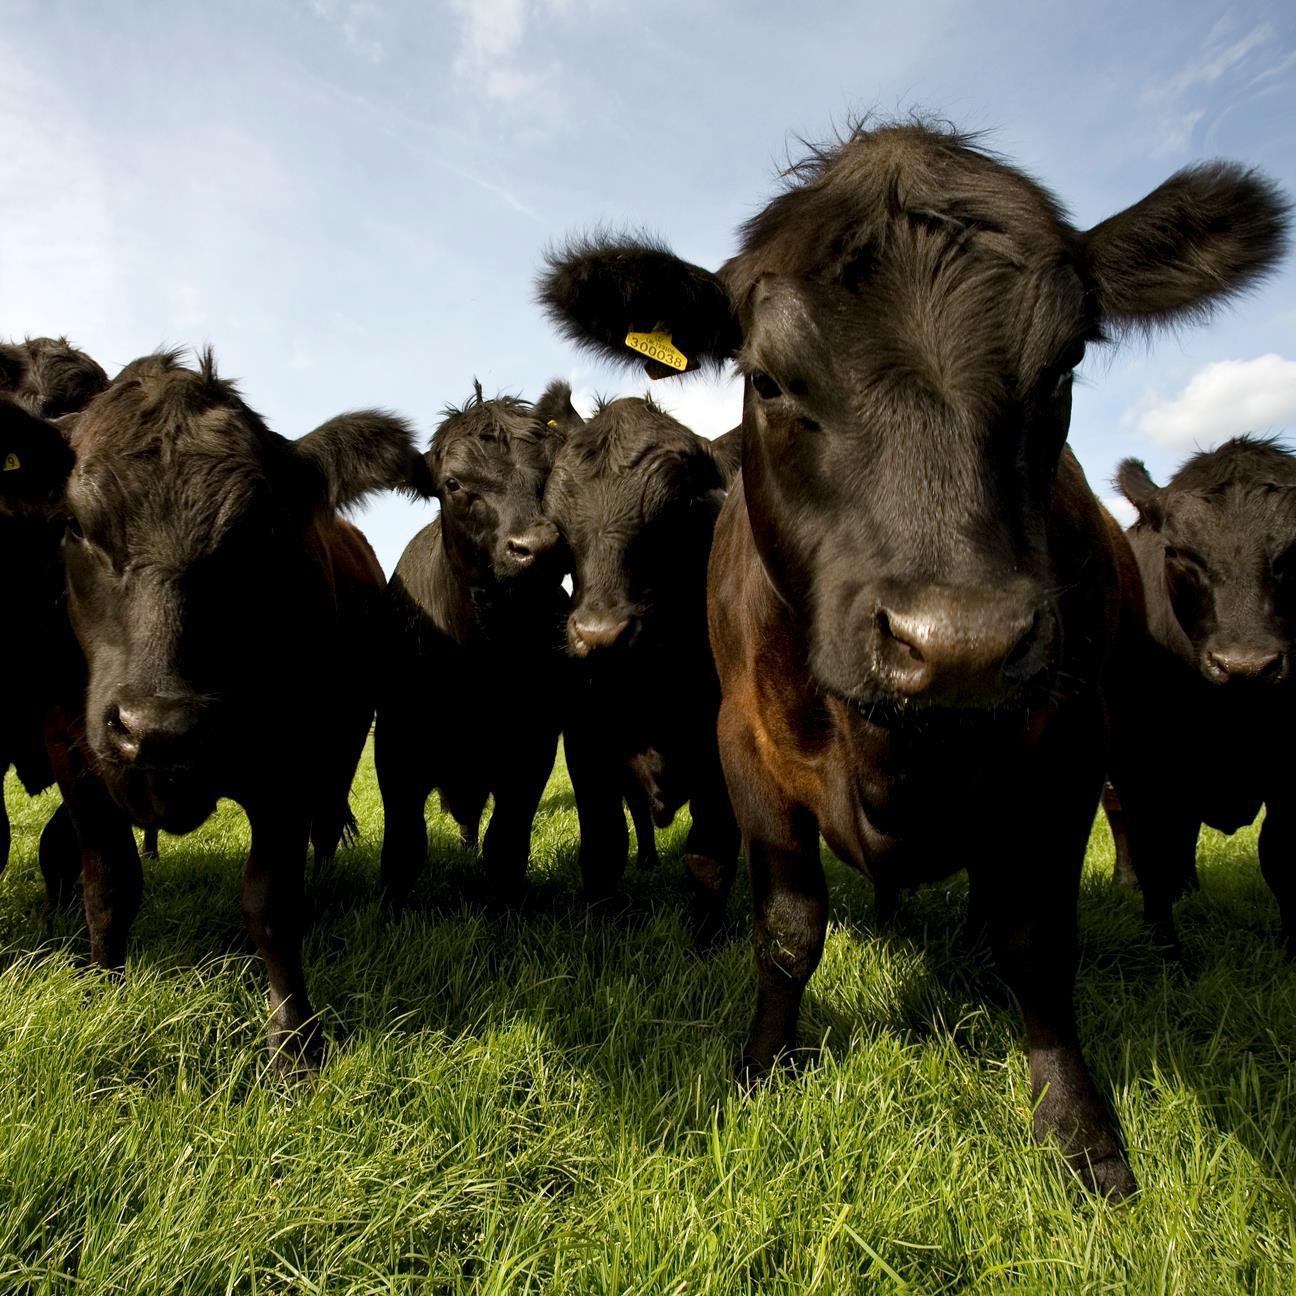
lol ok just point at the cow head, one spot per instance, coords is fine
(198, 581)
(488, 463)
(908, 315)
(35, 460)
(635, 495)
(1227, 527)
(49, 376)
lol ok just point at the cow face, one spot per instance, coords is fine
(635, 495)
(35, 460)
(49, 376)
(908, 315)
(197, 584)
(488, 464)
(1227, 530)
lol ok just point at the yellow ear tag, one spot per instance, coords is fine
(657, 346)
(553, 423)
(12, 463)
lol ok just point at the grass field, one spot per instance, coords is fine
(544, 1103)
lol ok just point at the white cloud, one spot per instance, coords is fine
(1121, 509)
(1221, 400)
(186, 304)
(492, 29)
(491, 45)
(57, 257)
(351, 18)
(708, 405)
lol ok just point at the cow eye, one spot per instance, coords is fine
(73, 529)
(766, 387)
(1184, 557)
(452, 484)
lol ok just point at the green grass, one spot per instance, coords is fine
(544, 1103)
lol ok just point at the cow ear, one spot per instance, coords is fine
(356, 454)
(727, 452)
(599, 291)
(1207, 234)
(13, 365)
(555, 409)
(35, 461)
(1136, 484)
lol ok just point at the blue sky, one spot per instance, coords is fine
(349, 199)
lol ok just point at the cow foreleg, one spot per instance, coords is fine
(645, 830)
(597, 775)
(274, 907)
(405, 783)
(790, 913)
(1123, 867)
(1034, 941)
(1278, 865)
(507, 844)
(59, 854)
(711, 855)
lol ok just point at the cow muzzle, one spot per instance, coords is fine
(152, 731)
(525, 549)
(1245, 664)
(939, 647)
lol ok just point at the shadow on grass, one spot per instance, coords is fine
(620, 995)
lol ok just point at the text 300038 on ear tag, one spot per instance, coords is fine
(657, 346)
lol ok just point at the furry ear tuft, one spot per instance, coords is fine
(555, 410)
(1208, 233)
(727, 452)
(1135, 483)
(362, 452)
(599, 288)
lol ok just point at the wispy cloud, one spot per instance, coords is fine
(1219, 56)
(1175, 100)
(1221, 400)
(354, 19)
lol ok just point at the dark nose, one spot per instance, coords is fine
(526, 546)
(959, 650)
(1239, 662)
(150, 730)
(591, 630)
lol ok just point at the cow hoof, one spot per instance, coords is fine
(296, 1056)
(751, 1073)
(1110, 1177)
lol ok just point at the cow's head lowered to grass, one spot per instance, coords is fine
(198, 578)
(908, 315)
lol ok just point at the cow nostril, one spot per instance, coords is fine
(1022, 657)
(599, 634)
(888, 629)
(116, 725)
(520, 549)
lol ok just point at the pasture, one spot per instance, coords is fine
(544, 1102)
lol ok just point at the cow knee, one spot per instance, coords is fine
(790, 939)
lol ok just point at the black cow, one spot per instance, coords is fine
(475, 678)
(40, 378)
(635, 495)
(49, 377)
(914, 595)
(230, 622)
(1203, 718)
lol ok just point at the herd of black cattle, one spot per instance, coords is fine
(886, 600)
